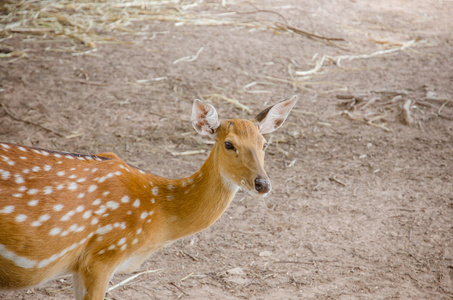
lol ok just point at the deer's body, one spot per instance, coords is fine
(93, 216)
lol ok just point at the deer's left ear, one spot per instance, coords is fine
(274, 116)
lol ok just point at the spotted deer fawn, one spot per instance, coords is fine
(94, 215)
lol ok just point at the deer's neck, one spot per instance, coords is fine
(194, 203)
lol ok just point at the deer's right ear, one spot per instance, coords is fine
(204, 118)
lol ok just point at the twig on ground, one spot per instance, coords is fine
(132, 278)
(335, 179)
(29, 122)
(405, 115)
(317, 67)
(350, 116)
(281, 26)
(308, 262)
(190, 152)
(189, 58)
(188, 255)
(174, 284)
(304, 112)
(338, 59)
(235, 102)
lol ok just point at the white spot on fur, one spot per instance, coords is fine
(104, 230)
(87, 214)
(58, 207)
(47, 190)
(72, 186)
(125, 199)
(32, 191)
(7, 209)
(102, 209)
(55, 231)
(21, 218)
(24, 262)
(136, 203)
(67, 216)
(33, 203)
(155, 191)
(19, 179)
(112, 205)
(92, 188)
(5, 174)
(17, 260)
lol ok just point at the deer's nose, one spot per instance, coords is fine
(262, 185)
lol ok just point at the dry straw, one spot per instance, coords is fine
(88, 23)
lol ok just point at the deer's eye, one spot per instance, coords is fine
(229, 146)
(265, 146)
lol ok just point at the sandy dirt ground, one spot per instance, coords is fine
(362, 171)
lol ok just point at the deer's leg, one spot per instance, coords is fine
(79, 287)
(91, 281)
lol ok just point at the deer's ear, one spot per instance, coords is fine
(274, 116)
(204, 118)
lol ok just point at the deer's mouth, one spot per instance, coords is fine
(250, 189)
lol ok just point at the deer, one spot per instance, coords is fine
(94, 215)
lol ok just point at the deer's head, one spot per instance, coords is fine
(240, 143)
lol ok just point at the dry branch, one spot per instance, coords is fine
(338, 59)
(132, 278)
(29, 122)
(285, 27)
(406, 116)
(235, 102)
